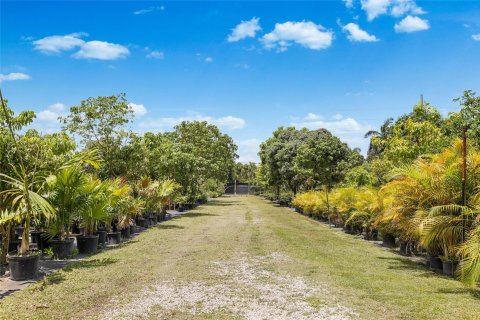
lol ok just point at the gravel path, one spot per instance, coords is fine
(242, 287)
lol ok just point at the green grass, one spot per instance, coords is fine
(375, 283)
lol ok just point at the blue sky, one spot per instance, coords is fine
(247, 67)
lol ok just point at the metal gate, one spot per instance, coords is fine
(237, 188)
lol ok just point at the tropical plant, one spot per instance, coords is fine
(165, 191)
(7, 218)
(117, 193)
(95, 208)
(26, 200)
(68, 195)
(469, 251)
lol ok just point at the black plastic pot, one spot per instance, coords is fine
(163, 216)
(435, 263)
(153, 220)
(102, 238)
(125, 233)
(449, 268)
(114, 237)
(62, 249)
(142, 222)
(23, 268)
(348, 229)
(371, 235)
(406, 248)
(132, 230)
(87, 244)
(388, 240)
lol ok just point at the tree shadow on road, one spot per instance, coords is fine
(473, 292)
(168, 226)
(193, 214)
(402, 263)
(221, 203)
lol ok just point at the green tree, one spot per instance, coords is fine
(245, 172)
(100, 123)
(325, 160)
(376, 148)
(468, 117)
(278, 154)
(195, 155)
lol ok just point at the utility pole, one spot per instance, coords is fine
(421, 100)
(235, 187)
(464, 176)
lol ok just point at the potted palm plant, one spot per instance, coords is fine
(26, 204)
(444, 229)
(67, 194)
(128, 208)
(167, 192)
(117, 192)
(94, 212)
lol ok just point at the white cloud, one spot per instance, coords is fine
(138, 109)
(395, 8)
(208, 59)
(348, 3)
(167, 123)
(312, 116)
(403, 7)
(412, 24)
(356, 34)
(95, 49)
(155, 55)
(305, 33)
(476, 37)
(101, 50)
(229, 122)
(348, 130)
(13, 76)
(245, 29)
(148, 10)
(248, 150)
(375, 8)
(52, 113)
(56, 44)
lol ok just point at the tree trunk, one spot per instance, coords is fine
(25, 246)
